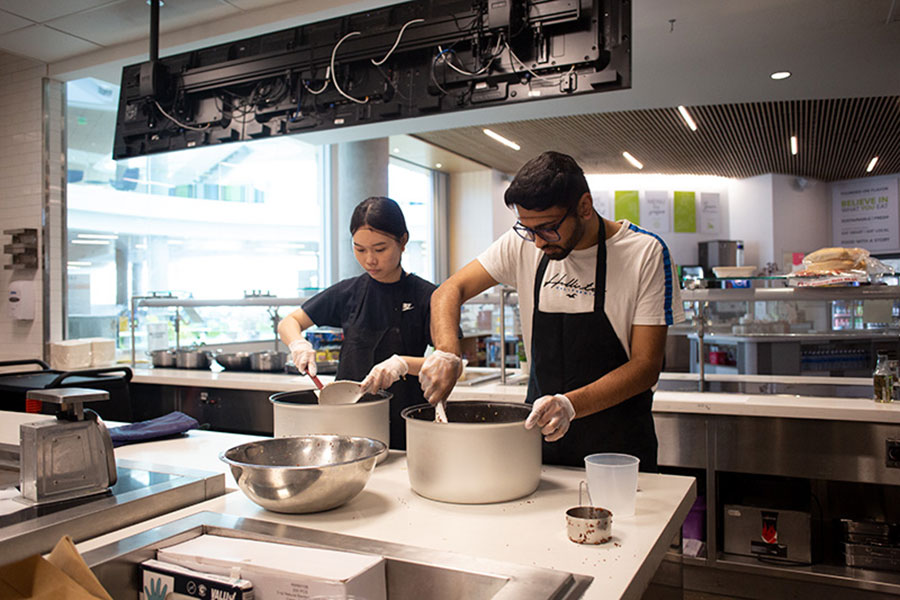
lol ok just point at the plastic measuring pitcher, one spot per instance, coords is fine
(612, 481)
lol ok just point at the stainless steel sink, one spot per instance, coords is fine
(412, 573)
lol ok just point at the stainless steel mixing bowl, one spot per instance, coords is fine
(303, 474)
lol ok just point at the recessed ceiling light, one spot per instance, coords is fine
(780, 75)
(633, 160)
(396, 150)
(687, 118)
(496, 136)
(79, 263)
(438, 165)
(871, 165)
(794, 144)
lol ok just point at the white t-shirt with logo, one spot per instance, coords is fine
(641, 284)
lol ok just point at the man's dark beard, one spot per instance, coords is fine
(555, 252)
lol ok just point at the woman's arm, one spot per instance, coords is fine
(292, 326)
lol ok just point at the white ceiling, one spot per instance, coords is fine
(691, 52)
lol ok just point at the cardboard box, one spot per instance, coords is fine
(159, 579)
(280, 571)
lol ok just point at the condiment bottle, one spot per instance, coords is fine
(883, 380)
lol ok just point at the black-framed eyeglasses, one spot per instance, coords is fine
(548, 234)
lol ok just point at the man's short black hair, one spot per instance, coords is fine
(551, 179)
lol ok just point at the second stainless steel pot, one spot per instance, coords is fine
(484, 454)
(163, 358)
(268, 361)
(192, 358)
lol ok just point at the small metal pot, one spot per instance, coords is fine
(234, 361)
(268, 361)
(191, 359)
(589, 525)
(163, 358)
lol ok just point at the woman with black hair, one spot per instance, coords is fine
(384, 313)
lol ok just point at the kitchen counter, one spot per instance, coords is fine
(530, 531)
(237, 380)
(759, 405)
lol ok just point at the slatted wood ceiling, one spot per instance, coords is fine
(837, 138)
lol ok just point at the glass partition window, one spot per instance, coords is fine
(413, 189)
(208, 223)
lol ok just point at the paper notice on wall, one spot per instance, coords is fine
(710, 216)
(685, 212)
(602, 203)
(864, 214)
(655, 211)
(628, 206)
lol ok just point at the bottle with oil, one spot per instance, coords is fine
(883, 380)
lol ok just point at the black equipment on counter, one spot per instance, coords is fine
(15, 384)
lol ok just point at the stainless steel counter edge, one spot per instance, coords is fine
(107, 514)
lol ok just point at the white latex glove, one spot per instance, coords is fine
(384, 374)
(553, 414)
(438, 375)
(304, 356)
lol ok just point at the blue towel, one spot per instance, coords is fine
(164, 426)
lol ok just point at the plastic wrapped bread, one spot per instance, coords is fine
(69, 355)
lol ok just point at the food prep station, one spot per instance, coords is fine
(480, 550)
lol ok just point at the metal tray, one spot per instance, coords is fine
(412, 573)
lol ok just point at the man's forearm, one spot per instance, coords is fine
(446, 302)
(615, 387)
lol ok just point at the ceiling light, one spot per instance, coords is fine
(438, 165)
(98, 236)
(91, 242)
(871, 165)
(496, 136)
(687, 118)
(794, 145)
(79, 263)
(396, 150)
(632, 160)
(780, 75)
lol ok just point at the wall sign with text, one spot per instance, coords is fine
(865, 214)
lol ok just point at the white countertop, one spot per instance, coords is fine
(754, 405)
(529, 531)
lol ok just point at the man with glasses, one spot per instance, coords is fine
(596, 298)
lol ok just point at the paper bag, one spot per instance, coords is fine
(63, 575)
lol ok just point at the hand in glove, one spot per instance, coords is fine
(384, 374)
(304, 356)
(438, 375)
(552, 414)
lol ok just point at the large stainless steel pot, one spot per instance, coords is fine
(299, 413)
(163, 358)
(484, 454)
(268, 361)
(192, 358)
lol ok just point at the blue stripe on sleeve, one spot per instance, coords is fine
(667, 267)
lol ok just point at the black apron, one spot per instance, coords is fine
(569, 351)
(364, 347)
